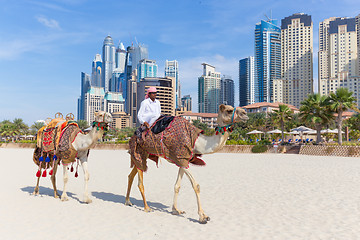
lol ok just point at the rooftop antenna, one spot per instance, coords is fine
(268, 19)
(136, 41)
(132, 44)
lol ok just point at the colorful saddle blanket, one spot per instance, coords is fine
(175, 144)
(65, 150)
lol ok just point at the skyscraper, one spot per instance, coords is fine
(296, 81)
(147, 68)
(85, 86)
(94, 100)
(138, 53)
(209, 85)
(96, 71)
(227, 91)
(108, 62)
(267, 59)
(323, 54)
(246, 81)
(339, 62)
(172, 70)
(120, 56)
(186, 103)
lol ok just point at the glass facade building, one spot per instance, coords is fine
(246, 81)
(267, 59)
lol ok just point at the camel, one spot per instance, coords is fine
(81, 144)
(227, 116)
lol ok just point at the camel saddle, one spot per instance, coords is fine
(65, 150)
(175, 144)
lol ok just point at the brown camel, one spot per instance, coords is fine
(201, 143)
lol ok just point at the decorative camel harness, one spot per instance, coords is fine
(55, 141)
(228, 127)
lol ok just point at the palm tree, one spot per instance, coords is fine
(36, 126)
(21, 126)
(8, 130)
(341, 101)
(315, 110)
(83, 124)
(282, 115)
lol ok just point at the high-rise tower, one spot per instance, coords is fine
(96, 71)
(267, 59)
(209, 85)
(296, 58)
(172, 70)
(108, 63)
(339, 62)
(246, 81)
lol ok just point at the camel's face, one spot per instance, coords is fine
(226, 113)
(102, 116)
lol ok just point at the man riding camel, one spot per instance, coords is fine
(149, 112)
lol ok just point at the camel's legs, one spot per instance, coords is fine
(53, 178)
(64, 196)
(175, 210)
(130, 181)
(203, 218)
(36, 190)
(86, 178)
(141, 188)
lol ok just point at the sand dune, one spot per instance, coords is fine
(247, 196)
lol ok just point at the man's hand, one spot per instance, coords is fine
(147, 125)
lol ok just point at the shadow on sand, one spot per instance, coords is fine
(45, 191)
(138, 204)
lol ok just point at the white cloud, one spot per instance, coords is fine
(50, 23)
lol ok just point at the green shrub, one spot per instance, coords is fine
(259, 149)
(264, 142)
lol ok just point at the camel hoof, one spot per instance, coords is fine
(35, 193)
(128, 203)
(88, 200)
(177, 212)
(64, 198)
(148, 209)
(204, 220)
(56, 195)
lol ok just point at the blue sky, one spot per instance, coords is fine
(44, 45)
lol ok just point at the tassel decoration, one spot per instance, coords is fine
(38, 174)
(44, 173)
(77, 166)
(72, 168)
(51, 172)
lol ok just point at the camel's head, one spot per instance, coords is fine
(103, 117)
(228, 114)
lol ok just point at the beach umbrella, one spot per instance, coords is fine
(326, 131)
(275, 131)
(302, 129)
(294, 133)
(335, 131)
(310, 132)
(255, 132)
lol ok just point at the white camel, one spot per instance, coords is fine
(82, 144)
(227, 116)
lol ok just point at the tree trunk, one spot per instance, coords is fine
(282, 131)
(318, 134)
(339, 126)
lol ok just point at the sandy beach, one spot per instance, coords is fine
(247, 196)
